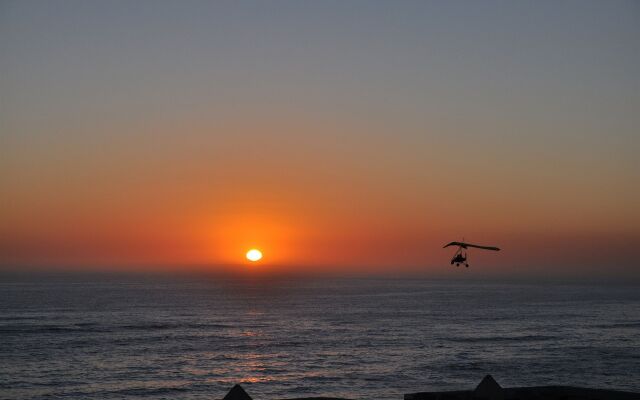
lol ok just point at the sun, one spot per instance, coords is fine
(254, 255)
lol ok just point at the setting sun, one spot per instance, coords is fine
(254, 255)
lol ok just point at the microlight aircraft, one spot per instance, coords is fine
(459, 257)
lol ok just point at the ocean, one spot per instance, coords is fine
(132, 337)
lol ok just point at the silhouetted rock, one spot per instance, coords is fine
(237, 393)
(488, 388)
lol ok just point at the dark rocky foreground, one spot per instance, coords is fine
(489, 389)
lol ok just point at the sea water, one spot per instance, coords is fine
(284, 338)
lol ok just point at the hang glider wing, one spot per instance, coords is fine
(467, 245)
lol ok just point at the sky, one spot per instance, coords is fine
(354, 136)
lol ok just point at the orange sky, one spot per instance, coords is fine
(347, 146)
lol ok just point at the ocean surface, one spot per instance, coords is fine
(284, 338)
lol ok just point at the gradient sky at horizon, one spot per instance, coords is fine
(355, 135)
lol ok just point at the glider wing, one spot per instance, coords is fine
(467, 245)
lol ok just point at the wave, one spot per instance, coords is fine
(144, 392)
(481, 339)
(96, 328)
(39, 329)
(632, 324)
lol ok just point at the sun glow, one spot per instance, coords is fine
(254, 255)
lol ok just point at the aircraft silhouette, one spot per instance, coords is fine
(459, 258)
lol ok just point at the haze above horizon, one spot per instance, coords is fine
(342, 136)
